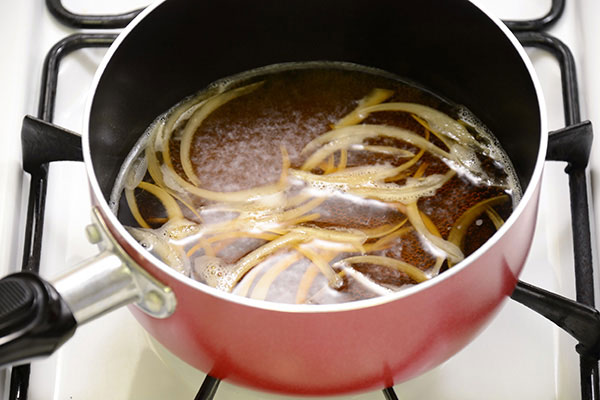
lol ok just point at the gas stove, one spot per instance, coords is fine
(520, 355)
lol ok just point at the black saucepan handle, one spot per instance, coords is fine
(34, 319)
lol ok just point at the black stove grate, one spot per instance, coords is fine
(38, 151)
(79, 21)
(556, 9)
(571, 144)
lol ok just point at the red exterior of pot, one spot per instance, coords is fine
(361, 346)
(334, 349)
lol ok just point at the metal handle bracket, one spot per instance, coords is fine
(112, 279)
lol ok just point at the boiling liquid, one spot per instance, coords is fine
(238, 147)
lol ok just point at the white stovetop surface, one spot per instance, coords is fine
(519, 356)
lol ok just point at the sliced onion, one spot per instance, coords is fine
(243, 287)
(305, 283)
(301, 210)
(343, 160)
(178, 229)
(435, 270)
(205, 242)
(184, 202)
(411, 191)
(421, 170)
(135, 211)
(343, 138)
(302, 219)
(153, 164)
(173, 210)
(350, 176)
(272, 214)
(383, 230)
(445, 247)
(354, 237)
(437, 120)
(413, 272)
(382, 243)
(330, 165)
(264, 283)
(328, 149)
(441, 137)
(387, 150)
(334, 280)
(376, 96)
(236, 235)
(459, 229)
(494, 217)
(162, 142)
(250, 260)
(202, 244)
(136, 173)
(366, 282)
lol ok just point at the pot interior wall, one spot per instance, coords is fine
(449, 47)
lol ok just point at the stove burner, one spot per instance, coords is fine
(571, 144)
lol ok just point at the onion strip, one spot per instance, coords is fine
(173, 209)
(202, 244)
(375, 97)
(363, 175)
(353, 176)
(338, 139)
(170, 123)
(459, 229)
(264, 283)
(421, 170)
(302, 219)
(153, 164)
(413, 272)
(494, 217)
(387, 150)
(333, 279)
(411, 191)
(244, 286)
(448, 248)
(237, 235)
(135, 211)
(437, 120)
(425, 125)
(353, 237)
(434, 231)
(302, 209)
(409, 164)
(381, 243)
(343, 160)
(185, 203)
(251, 259)
(330, 166)
(306, 282)
(383, 230)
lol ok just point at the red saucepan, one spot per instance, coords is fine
(178, 47)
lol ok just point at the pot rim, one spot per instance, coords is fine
(115, 224)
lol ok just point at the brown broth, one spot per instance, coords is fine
(237, 147)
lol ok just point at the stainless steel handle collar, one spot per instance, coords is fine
(110, 280)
